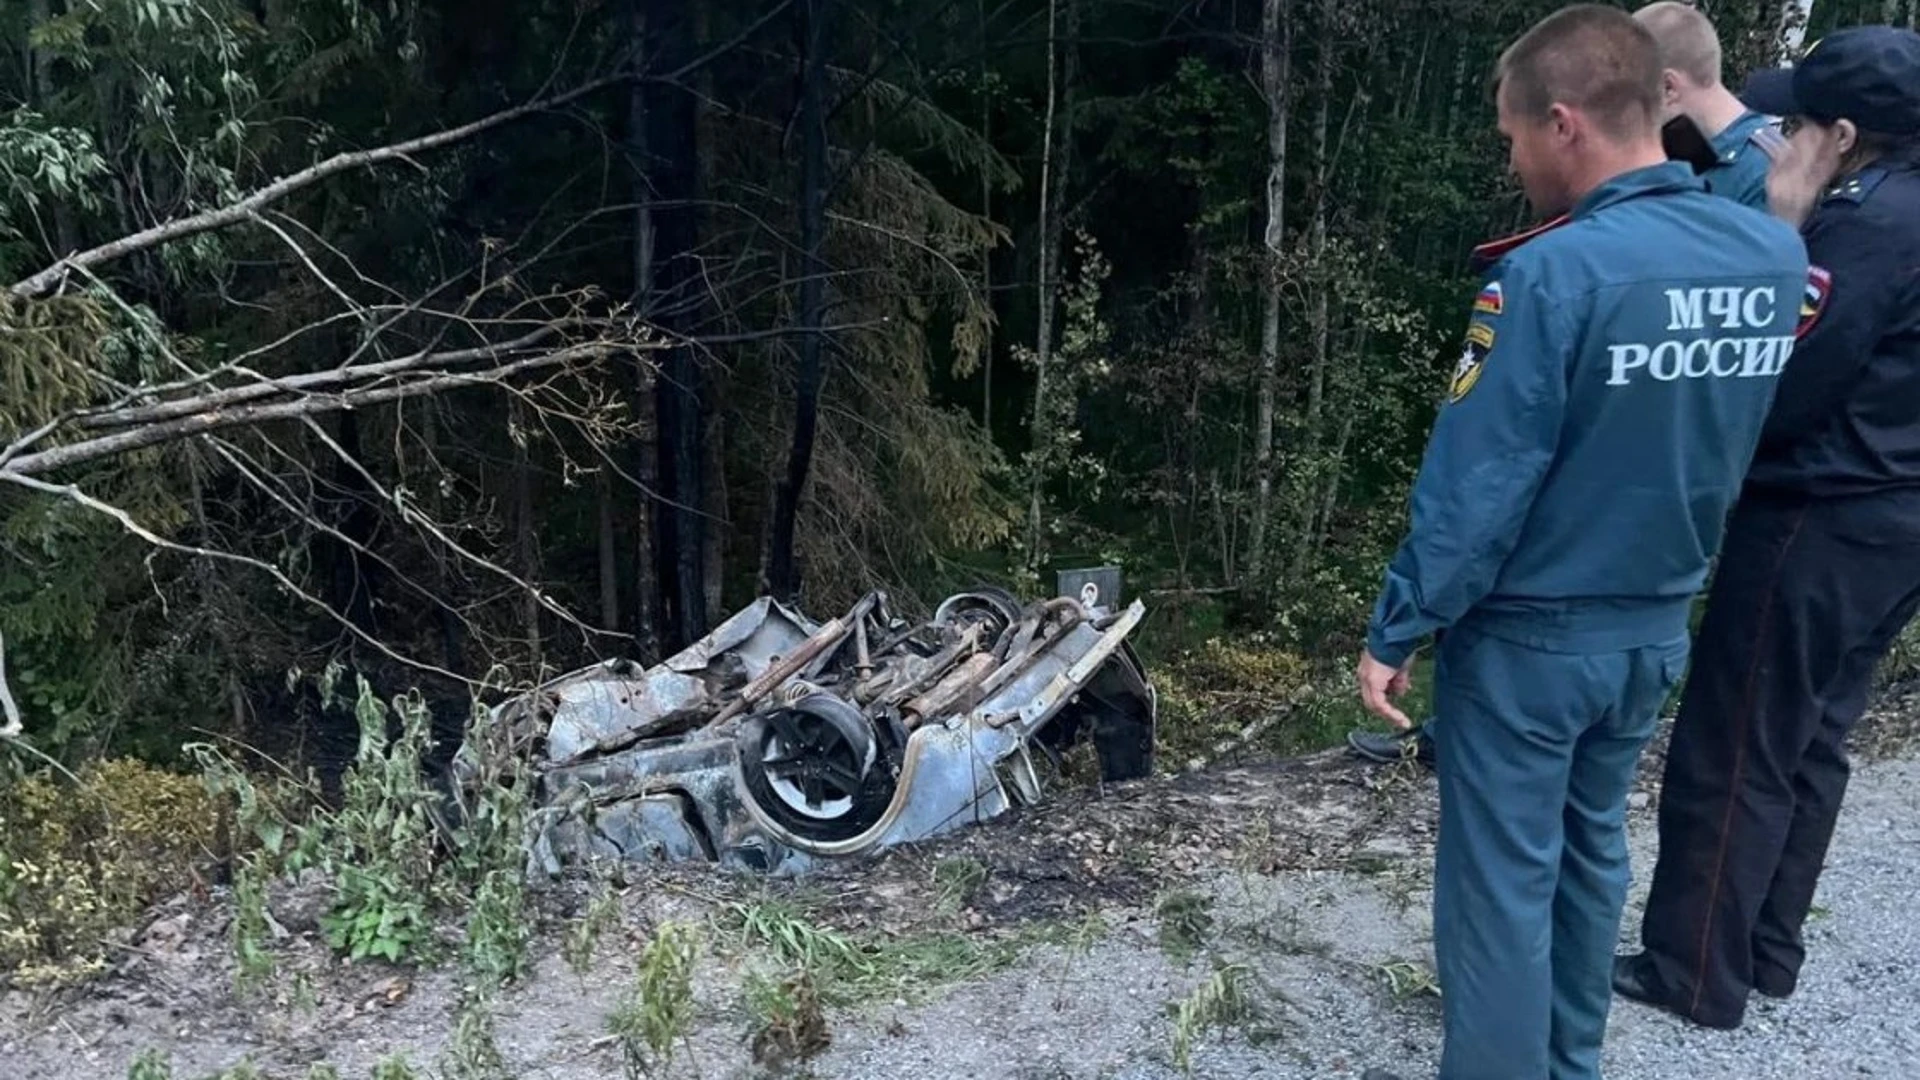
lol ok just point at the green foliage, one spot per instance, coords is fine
(1186, 919)
(1076, 367)
(79, 860)
(249, 932)
(380, 849)
(846, 969)
(657, 1012)
(472, 1053)
(787, 1021)
(584, 931)
(396, 1067)
(150, 1065)
(1224, 1000)
(488, 870)
(1211, 692)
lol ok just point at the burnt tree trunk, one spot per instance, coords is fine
(673, 146)
(811, 18)
(648, 602)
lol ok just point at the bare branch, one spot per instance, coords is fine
(75, 495)
(218, 419)
(9, 712)
(247, 208)
(415, 516)
(309, 382)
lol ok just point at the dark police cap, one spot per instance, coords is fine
(1867, 74)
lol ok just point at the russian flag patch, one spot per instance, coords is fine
(1819, 288)
(1490, 301)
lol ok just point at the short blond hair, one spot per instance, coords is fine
(1688, 42)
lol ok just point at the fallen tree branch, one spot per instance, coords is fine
(310, 382)
(10, 727)
(218, 419)
(246, 208)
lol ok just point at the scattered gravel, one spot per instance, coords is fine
(1331, 936)
(1333, 940)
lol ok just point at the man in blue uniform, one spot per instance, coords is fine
(1691, 90)
(1821, 566)
(1610, 391)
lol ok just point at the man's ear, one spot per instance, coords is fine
(1564, 123)
(1669, 86)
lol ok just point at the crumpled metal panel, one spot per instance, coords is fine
(595, 716)
(754, 637)
(683, 762)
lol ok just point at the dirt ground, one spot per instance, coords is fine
(1061, 941)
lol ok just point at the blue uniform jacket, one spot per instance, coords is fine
(1847, 418)
(1605, 408)
(1741, 172)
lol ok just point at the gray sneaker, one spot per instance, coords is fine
(1389, 747)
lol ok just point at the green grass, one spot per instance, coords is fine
(848, 968)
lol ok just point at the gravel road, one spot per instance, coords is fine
(1332, 938)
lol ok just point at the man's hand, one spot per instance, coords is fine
(1801, 170)
(1380, 683)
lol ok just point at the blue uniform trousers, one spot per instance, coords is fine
(1535, 753)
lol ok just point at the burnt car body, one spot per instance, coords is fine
(775, 742)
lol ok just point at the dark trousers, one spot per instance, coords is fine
(1806, 600)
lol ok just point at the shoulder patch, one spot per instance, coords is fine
(1473, 357)
(1491, 300)
(1768, 138)
(1856, 188)
(1819, 288)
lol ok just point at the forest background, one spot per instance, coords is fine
(457, 345)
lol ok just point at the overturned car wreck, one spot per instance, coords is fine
(775, 742)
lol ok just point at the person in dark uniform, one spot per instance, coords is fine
(1739, 144)
(1821, 566)
(1609, 394)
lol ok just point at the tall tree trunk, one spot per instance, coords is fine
(811, 18)
(1318, 315)
(673, 139)
(1276, 37)
(714, 555)
(986, 211)
(647, 600)
(1456, 102)
(526, 551)
(1412, 93)
(609, 554)
(1055, 167)
(1784, 35)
